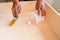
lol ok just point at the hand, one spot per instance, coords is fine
(16, 9)
(40, 6)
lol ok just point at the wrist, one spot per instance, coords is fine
(16, 1)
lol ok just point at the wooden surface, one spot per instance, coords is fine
(41, 31)
(53, 19)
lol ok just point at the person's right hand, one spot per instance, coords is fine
(16, 9)
(40, 7)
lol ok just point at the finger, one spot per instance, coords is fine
(16, 12)
(43, 12)
(19, 9)
(36, 6)
(39, 12)
(13, 11)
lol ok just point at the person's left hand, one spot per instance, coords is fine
(40, 6)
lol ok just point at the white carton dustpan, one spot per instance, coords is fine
(31, 18)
